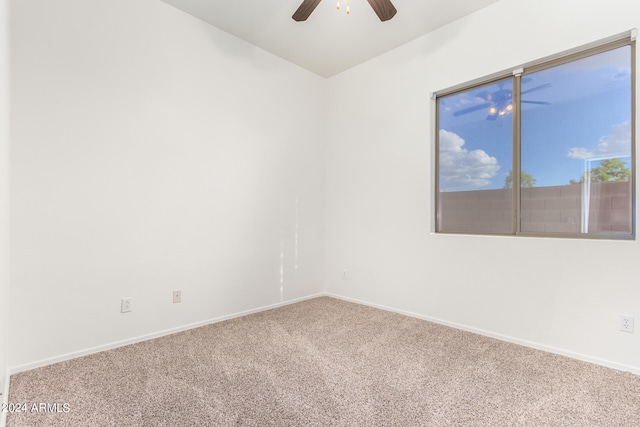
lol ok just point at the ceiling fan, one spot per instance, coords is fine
(499, 103)
(383, 8)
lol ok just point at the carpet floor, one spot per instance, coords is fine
(325, 362)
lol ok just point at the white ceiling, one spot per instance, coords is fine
(330, 41)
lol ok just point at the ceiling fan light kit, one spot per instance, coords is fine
(383, 8)
(499, 103)
(348, 8)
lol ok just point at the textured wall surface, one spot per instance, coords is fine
(153, 152)
(4, 196)
(562, 295)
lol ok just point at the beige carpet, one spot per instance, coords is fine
(326, 362)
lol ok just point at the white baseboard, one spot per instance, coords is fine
(531, 344)
(537, 346)
(68, 356)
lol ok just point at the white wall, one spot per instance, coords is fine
(153, 152)
(4, 198)
(380, 184)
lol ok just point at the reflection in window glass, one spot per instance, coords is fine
(574, 124)
(474, 160)
(576, 146)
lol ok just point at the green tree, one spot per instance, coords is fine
(610, 170)
(526, 180)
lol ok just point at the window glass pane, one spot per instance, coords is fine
(576, 146)
(474, 160)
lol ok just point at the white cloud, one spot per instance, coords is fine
(460, 167)
(622, 73)
(580, 153)
(616, 144)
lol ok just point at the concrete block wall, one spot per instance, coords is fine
(555, 209)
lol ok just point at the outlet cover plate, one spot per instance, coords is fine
(177, 297)
(626, 323)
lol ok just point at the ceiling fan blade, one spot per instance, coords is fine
(472, 109)
(535, 102)
(305, 9)
(544, 86)
(383, 8)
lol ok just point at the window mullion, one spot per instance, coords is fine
(516, 173)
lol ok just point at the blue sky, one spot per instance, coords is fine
(587, 118)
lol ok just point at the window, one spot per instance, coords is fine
(545, 150)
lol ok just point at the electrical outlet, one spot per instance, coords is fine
(344, 274)
(126, 305)
(177, 296)
(626, 323)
